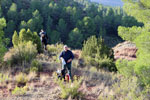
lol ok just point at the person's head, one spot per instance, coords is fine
(42, 30)
(65, 47)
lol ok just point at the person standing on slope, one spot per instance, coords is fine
(44, 38)
(66, 57)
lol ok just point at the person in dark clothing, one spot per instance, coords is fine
(44, 38)
(66, 56)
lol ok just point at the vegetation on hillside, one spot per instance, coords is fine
(81, 25)
(65, 20)
(140, 36)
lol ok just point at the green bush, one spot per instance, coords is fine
(21, 54)
(3, 41)
(36, 66)
(26, 36)
(54, 51)
(3, 78)
(51, 49)
(70, 88)
(19, 90)
(96, 53)
(125, 67)
(106, 63)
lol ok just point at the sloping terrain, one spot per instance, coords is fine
(43, 87)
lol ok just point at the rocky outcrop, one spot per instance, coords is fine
(125, 50)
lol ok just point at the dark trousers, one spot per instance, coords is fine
(68, 67)
(44, 43)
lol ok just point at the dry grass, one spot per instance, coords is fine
(31, 76)
(98, 84)
(21, 78)
(44, 78)
(77, 53)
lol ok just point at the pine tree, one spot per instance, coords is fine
(36, 40)
(55, 37)
(140, 36)
(49, 25)
(12, 13)
(22, 35)
(62, 28)
(15, 39)
(26, 36)
(96, 53)
(23, 24)
(75, 38)
(3, 40)
(35, 23)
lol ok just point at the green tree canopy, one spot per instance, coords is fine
(75, 38)
(140, 9)
(3, 41)
(26, 36)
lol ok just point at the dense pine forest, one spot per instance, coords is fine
(65, 20)
(109, 48)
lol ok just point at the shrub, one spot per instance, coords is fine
(36, 66)
(23, 53)
(3, 41)
(21, 78)
(54, 50)
(125, 67)
(96, 53)
(139, 68)
(126, 89)
(19, 90)
(70, 88)
(51, 49)
(93, 69)
(26, 36)
(3, 77)
(31, 76)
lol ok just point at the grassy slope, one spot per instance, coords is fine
(44, 88)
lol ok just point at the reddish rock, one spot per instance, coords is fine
(125, 50)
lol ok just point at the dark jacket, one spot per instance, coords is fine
(66, 55)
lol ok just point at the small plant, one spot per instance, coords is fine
(51, 49)
(3, 78)
(69, 89)
(19, 90)
(93, 69)
(36, 66)
(21, 78)
(31, 76)
(54, 51)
